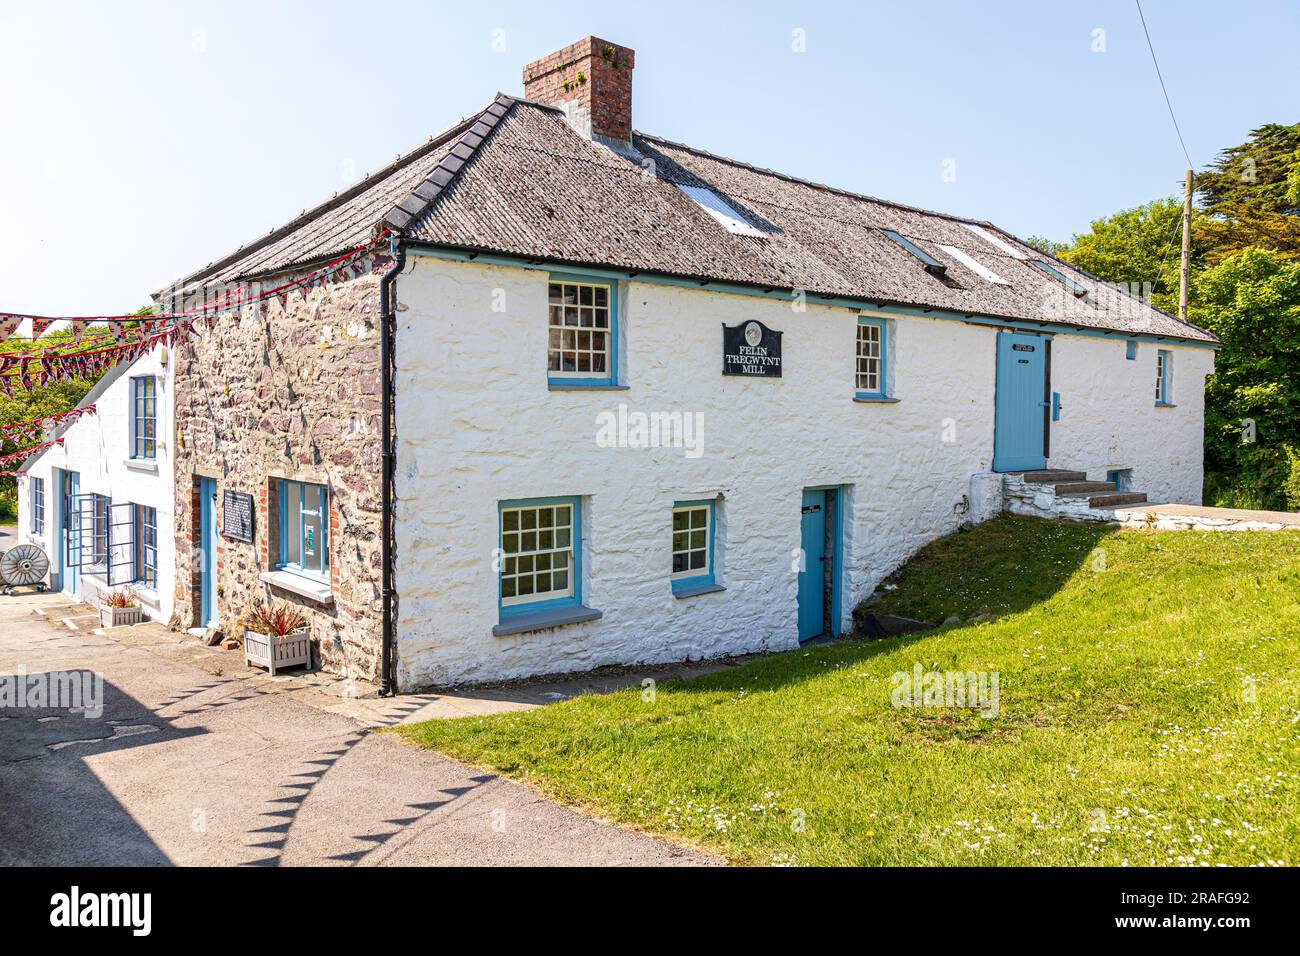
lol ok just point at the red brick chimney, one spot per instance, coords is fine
(592, 80)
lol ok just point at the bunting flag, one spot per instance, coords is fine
(19, 455)
(133, 335)
(35, 428)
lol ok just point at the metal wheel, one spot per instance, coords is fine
(25, 564)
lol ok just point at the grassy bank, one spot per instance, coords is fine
(1147, 713)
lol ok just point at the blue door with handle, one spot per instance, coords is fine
(812, 569)
(207, 552)
(1019, 418)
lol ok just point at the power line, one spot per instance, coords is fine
(1161, 78)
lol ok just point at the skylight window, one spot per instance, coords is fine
(996, 241)
(931, 263)
(974, 265)
(1078, 290)
(718, 208)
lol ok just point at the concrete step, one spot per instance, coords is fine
(1116, 499)
(1050, 476)
(1083, 487)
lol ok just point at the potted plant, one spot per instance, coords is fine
(120, 607)
(275, 636)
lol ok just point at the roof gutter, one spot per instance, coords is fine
(387, 336)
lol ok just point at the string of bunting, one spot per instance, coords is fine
(233, 299)
(35, 369)
(35, 427)
(20, 455)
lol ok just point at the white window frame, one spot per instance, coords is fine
(559, 328)
(861, 389)
(707, 570)
(520, 539)
(1164, 371)
(38, 505)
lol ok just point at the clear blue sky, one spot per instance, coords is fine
(139, 141)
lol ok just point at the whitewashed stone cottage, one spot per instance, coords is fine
(639, 402)
(100, 505)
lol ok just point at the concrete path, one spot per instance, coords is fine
(1175, 517)
(189, 767)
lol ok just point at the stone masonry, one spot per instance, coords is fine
(592, 80)
(290, 390)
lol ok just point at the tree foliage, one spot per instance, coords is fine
(1245, 267)
(1252, 416)
(1251, 195)
(1139, 250)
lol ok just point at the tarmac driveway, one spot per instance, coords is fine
(184, 767)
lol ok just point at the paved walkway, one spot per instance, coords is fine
(1175, 517)
(188, 766)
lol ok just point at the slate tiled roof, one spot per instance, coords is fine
(517, 180)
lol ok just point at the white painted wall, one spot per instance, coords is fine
(1109, 419)
(477, 424)
(98, 447)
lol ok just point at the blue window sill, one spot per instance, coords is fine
(874, 399)
(1165, 405)
(541, 620)
(581, 385)
(687, 589)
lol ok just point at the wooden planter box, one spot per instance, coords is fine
(271, 652)
(118, 616)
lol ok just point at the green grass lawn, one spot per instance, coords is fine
(1148, 713)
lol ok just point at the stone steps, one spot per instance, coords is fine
(1084, 487)
(1049, 476)
(1117, 499)
(1061, 493)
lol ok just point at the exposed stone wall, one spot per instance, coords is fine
(1041, 501)
(289, 391)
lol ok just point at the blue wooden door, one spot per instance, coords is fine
(812, 571)
(69, 535)
(1018, 415)
(208, 552)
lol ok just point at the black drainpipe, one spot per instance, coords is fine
(387, 336)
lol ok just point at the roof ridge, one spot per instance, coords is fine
(810, 183)
(336, 200)
(420, 199)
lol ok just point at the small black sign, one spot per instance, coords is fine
(237, 516)
(1017, 347)
(752, 349)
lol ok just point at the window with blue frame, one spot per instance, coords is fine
(144, 417)
(38, 505)
(540, 554)
(582, 330)
(1164, 377)
(304, 527)
(146, 546)
(871, 368)
(692, 544)
(1131, 349)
